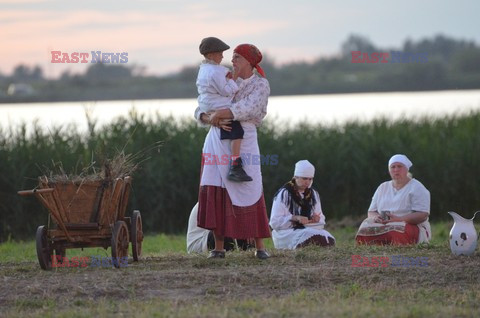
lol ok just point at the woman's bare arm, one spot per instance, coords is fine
(412, 218)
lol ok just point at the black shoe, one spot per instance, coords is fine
(216, 254)
(261, 254)
(236, 172)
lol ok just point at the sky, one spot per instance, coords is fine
(162, 36)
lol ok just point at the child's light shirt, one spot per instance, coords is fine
(214, 89)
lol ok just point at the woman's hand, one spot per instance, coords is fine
(393, 218)
(215, 119)
(378, 219)
(222, 123)
(225, 124)
(375, 216)
(315, 218)
(220, 114)
(299, 219)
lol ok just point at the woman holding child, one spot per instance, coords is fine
(398, 213)
(231, 208)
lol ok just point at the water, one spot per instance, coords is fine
(334, 109)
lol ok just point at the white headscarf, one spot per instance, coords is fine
(305, 169)
(402, 159)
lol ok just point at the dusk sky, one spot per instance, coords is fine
(164, 35)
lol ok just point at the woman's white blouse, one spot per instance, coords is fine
(250, 102)
(413, 197)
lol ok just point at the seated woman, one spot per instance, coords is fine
(297, 219)
(399, 210)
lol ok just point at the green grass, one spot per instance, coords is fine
(311, 282)
(158, 244)
(343, 301)
(153, 245)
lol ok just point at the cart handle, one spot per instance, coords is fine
(31, 192)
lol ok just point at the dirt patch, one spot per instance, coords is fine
(183, 277)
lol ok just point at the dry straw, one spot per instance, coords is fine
(120, 166)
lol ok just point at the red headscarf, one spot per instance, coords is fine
(252, 54)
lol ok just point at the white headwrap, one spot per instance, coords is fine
(305, 169)
(402, 159)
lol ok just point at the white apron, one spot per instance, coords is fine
(216, 154)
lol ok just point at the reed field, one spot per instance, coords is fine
(350, 160)
(311, 282)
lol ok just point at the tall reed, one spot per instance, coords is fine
(350, 160)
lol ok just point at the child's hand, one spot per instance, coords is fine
(229, 75)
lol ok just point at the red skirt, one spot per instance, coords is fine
(410, 236)
(216, 213)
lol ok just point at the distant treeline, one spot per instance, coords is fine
(445, 63)
(350, 160)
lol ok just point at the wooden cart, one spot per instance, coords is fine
(87, 214)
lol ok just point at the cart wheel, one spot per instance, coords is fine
(120, 242)
(44, 250)
(136, 235)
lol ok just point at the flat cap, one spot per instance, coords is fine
(212, 44)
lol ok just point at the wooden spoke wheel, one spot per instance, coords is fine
(44, 248)
(136, 233)
(120, 242)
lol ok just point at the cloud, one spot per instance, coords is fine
(31, 34)
(164, 34)
(16, 2)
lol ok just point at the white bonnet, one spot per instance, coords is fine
(402, 159)
(305, 169)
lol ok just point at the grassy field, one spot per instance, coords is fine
(313, 282)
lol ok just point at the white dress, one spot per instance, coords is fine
(250, 107)
(412, 197)
(284, 235)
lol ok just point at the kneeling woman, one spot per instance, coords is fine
(297, 219)
(399, 210)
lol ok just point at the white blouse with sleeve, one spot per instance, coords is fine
(250, 103)
(284, 235)
(413, 197)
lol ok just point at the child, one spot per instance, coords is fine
(216, 89)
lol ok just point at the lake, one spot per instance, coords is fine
(332, 109)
